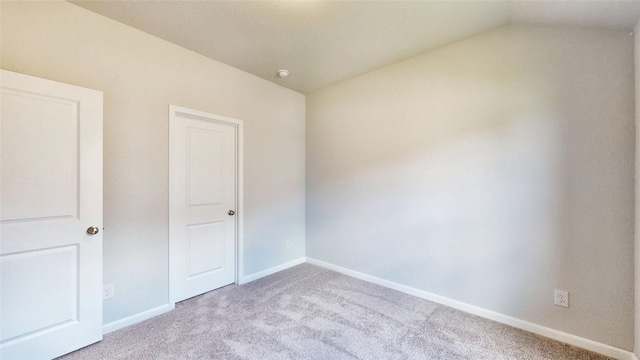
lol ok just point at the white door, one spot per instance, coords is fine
(203, 202)
(51, 199)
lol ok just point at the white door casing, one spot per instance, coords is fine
(204, 201)
(50, 194)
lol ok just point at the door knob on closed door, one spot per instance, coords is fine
(93, 230)
(231, 213)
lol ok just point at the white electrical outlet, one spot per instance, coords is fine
(108, 292)
(561, 298)
(288, 244)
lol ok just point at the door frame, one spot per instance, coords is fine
(174, 112)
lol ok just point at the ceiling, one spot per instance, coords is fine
(325, 42)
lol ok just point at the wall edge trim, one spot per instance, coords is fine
(567, 338)
(136, 318)
(270, 271)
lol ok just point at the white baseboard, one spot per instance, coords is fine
(273, 270)
(591, 345)
(133, 319)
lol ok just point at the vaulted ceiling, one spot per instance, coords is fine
(325, 42)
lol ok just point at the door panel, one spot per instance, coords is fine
(55, 279)
(43, 183)
(50, 193)
(206, 248)
(203, 186)
(205, 167)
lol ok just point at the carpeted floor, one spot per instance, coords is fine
(308, 312)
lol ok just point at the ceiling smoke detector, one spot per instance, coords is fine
(282, 73)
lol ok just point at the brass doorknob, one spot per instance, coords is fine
(231, 213)
(93, 230)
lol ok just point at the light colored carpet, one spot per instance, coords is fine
(308, 312)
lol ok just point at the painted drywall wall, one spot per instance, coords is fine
(636, 31)
(491, 171)
(140, 76)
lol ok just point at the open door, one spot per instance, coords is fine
(51, 217)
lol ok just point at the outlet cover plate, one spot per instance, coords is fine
(108, 292)
(561, 298)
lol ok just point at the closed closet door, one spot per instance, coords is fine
(203, 202)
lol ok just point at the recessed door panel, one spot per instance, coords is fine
(205, 154)
(28, 278)
(41, 155)
(206, 248)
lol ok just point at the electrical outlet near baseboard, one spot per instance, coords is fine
(561, 298)
(108, 292)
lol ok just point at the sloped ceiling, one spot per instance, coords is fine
(325, 42)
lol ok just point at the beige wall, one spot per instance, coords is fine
(140, 76)
(491, 172)
(637, 212)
